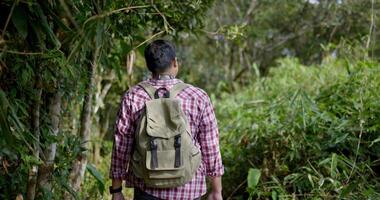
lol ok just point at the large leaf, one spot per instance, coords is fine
(59, 21)
(63, 182)
(45, 26)
(4, 125)
(97, 175)
(19, 19)
(253, 177)
(334, 162)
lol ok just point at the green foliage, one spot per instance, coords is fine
(47, 48)
(240, 33)
(305, 131)
(252, 180)
(91, 189)
(98, 176)
(311, 131)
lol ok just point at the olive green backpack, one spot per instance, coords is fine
(164, 155)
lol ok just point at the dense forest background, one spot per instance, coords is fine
(295, 85)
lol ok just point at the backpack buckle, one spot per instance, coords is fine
(153, 148)
(177, 141)
(177, 146)
(153, 144)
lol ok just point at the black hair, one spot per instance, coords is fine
(158, 55)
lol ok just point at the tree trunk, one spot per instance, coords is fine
(35, 121)
(79, 166)
(102, 122)
(102, 132)
(46, 169)
(131, 57)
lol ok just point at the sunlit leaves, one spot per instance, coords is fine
(306, 129)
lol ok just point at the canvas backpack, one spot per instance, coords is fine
(164, 155)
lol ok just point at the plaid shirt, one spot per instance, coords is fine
(198, 108)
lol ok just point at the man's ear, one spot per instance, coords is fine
(175, 62)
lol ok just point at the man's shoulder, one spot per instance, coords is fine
(136, 88)
(133, 91)
(195, 91)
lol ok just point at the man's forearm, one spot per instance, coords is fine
(116, 183)
(216, 183)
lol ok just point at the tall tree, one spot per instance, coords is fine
(79, 166)
(35, 120)
(46, 76)
(46, 169)
(242, 35)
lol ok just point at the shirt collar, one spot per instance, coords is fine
(163, 82)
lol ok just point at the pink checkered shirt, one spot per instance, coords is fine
(198, 108)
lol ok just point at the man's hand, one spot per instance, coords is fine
(118, 196)
(117, 183)
(214, 195)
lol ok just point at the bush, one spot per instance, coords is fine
(305, 132)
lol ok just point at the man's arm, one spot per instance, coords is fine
(116, 183)
(209, 141)
(216, 188)
(216, 183)
(122, 145)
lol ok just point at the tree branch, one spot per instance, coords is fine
(126, 9)
(9, 18)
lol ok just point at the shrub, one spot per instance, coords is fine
(305, 132)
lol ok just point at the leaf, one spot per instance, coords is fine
(4, 104)
(97, 175)
(310, 180)
(125, 48)
(57, 20)
(375, 141)
(44, 24)
(64, 183)
(19, 19)
(334, 162)
(274, 195)
(321, 182)
(253, 177)
(256, 69)
(347, 190)
(341, 138)
(323, 162)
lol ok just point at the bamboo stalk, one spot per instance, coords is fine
(79, 166)
(46, 169)
(35, 120)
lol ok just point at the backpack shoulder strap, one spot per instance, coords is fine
(148, 89)
(177, 88)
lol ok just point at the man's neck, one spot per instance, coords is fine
(163, 76)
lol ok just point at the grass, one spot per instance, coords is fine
(311, 131)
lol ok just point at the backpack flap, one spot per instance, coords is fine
(164, 118)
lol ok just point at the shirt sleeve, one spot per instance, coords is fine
(209, 141)
(123, 140)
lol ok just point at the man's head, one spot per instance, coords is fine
(160, 57)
